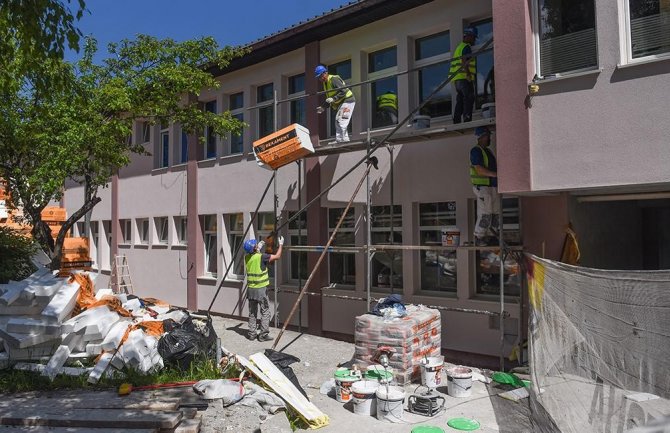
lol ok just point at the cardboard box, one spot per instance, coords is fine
(283, 147)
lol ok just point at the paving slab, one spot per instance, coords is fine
(4, 429)
(186, 426)
(120, 418)
(71, 399)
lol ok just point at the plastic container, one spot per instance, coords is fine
(421, 122)
(431, 371)
(488, 110)
(451, 236)
(459, 382)
(344, 378)
(363, 394)
(390, 403)
(377, 373)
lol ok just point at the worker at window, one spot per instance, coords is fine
(340, 98)
(484, 178)
(258, 279)
(465, 78)
(387, 108)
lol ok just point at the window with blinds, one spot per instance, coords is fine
(649, 30)
(567, 36)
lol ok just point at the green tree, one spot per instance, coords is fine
(81, 132)
(16, 252)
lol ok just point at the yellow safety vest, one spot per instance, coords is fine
(331, 92)
(477, 179)
(456, 63)
(387, 100)
(257, 278)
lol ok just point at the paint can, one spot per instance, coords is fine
(451, 236)
(363, 393)
(459, 382)
(390, 401)
(431, 371)
(344, 378)
(421, 122)
(379, 373)
(488, 110)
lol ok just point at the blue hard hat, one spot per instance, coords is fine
(319, 70)
(471, 31)
(250, 246)
(481, 131)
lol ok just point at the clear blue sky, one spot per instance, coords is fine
(231, 22)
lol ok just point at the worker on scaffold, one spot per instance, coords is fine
(484, 178)
(258, 279)
(340, 98)
(464, 80)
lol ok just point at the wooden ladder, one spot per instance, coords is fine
(120, 280)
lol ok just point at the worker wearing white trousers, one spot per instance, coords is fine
(484, 178)
(340, 98)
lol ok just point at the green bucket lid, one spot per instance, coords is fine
(526, 383)
(427, 429)
(507, 379)
(465, 424)
(345, 374)
(378, 375)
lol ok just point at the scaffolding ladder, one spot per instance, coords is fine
(120, 280)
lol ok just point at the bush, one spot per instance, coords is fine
(16, 252)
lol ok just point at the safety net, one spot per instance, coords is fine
(599, 348)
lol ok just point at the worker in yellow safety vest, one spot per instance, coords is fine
(465, 77)
(256, 268)
(484, 178)
(340, 98)
(387, 108)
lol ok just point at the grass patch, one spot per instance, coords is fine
(12, 381)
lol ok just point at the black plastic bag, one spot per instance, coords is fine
(282, 362)
(190, 340)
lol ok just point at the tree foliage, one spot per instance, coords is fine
(16, 252)
(81, 132)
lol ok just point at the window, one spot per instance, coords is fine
(488, 262)
(484, 84)
(235, 227)
(343, 70)
(567, 36)
(237, 111)
(297, 235)
(126, 231)
(146, 132)
(164, 154)
(143, 230)
(106, 251)
(384, 92)
(161, 230)
(80, 229)
(95, 244)
(210, 137)
(438, 267)
(296, 87)
(266, 113)
(183, 154)
(181, 228)
(386, 267)
(342, 266)
(209, 237)
(265, 224)
(648, 28)
(431, 53)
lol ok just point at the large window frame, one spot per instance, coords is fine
(265, 109)
(126, 231)
(164, 146)
(296, 88)
(297, 235)
(209, 146)
(181, 230)
(438, 62)
(342, 264)
(381, 235)
(235, 231)
(437, 267)
(385, 79)
(628, 26)
(183, 148)
(142, 231)
(537, 33)
(236, 108)
(343, 70)
(210, 237)
(162, 226)
(484, 78)
(265, 224)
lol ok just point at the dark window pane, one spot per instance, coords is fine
(343, 69)
(649, 27)
(184, 147)
(237, 140)
(429, 78)
(384, 115)
(298, 112)
(296, 84)
(265, 121)
(382, 59)
(236, 101)
(166, 150)
(432, 45)
(265, 93)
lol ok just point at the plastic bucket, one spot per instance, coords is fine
(488, 110)
(344, 378)
(459, 382)
(431, 371)
(451, 236)
(421, 122)
(390, 404)
(363, 393)
(379, 374)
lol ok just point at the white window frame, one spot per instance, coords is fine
(263, 104)
(143, 231)
(208, 234)
(126, 231)
(162, 227)
(205, 143)
(294, 95)
(330, 125)
(397, 228)
(437, 228)
(342, 229)
(431, 61)
(181, 231)
(95, 244)
(625, 39)
(378, 76)
(234, 113)
(146, 131)
(265, 222)
(162, 152)
(231, 232)
(295, 232)
(535, 23)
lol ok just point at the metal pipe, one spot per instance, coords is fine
(390, 149)
(299, 239)
(276, 278)
(502, 285)
(368, 234)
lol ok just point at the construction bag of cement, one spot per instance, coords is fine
(213, 389)
(193, 339)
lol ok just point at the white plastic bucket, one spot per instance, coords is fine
(421, 122)
(431, 371)
(459, 382)
(363, 393)
(344, 378)
(390, 404)
(451, 236)
(488, 110)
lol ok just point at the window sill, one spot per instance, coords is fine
(209, 162)
(125, 246)
(142, 246)
(159, 246)
(233, 156)
(492, 298)
(642, 61)
(568, 75)
(207, 279)
(179, 247)
(436, 294)
(160, 170)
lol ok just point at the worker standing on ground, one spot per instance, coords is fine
(340, 98)
(464, 80)
(256, 267)
(484, 177)
(387, 108)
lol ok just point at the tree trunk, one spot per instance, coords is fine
(67, 225)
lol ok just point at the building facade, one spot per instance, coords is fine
(595, 129)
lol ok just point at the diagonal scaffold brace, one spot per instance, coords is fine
(372, 162)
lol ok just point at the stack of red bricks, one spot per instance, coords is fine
(413, 337)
